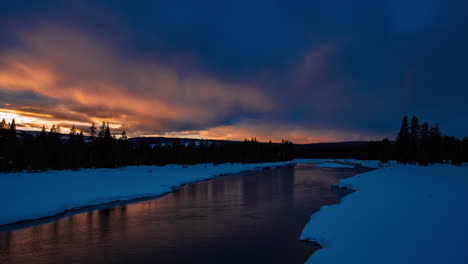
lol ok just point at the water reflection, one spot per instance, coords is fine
(250, 217)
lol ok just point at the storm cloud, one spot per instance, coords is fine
(307, 71)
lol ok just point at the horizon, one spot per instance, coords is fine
(66, 131)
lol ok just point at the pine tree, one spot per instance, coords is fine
(92, 130)
(425, 131)
(404, 133)
(403, 141)
(107, 133)
(3, 128)
(12, 129)
(43, 135)
(435, 131)
(415, 128)
(102, 132)
(73, 131)
(123, 136)
(43, 131)
(3, 124)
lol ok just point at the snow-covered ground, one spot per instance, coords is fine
(398, 214)
(365, 163)
(26, 196)
(333, 165)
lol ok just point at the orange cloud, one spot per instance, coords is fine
(87, 80)
(81, 72)
(266, 131)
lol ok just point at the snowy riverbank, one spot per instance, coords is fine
(27, 196)
(398, 214)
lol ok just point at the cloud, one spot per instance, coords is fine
(265, 131)
(86, 79)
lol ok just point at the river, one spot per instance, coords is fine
(253, 217)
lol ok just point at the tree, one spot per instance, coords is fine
(403, 141)
(43, 135)
(107, 133)
(53, 129)
(73, 131)
(415, 128)
(425, 131)
(404, 133)
(81, 137)
(123, 136)
(3, 124)
(13, 128)
(102, 132)
(92, 130)
(3, 128)
(43, 131)
(435, 131)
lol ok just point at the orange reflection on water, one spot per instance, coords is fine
(256, 215)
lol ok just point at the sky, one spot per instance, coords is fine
(306, 71)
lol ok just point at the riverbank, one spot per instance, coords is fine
(207, 220)
(398, 214)
(30, 196)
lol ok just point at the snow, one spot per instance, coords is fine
(27, 196)
(364, 163)
(333, 165)
(398, 214)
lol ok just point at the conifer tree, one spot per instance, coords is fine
(123, 136)
(102, 132)
(3, 124)
(43, 135)
(403, 141)
(3, 128)
(73, 131)
(43, 131)
(415, 128)
(13, 126)
(404, 133)
(435, 131)
(107, 133)
(425, 130)
(92, 130)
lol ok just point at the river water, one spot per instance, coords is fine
(253, 217)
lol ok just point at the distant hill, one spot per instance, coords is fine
(316, 150)
(136, 140)
(169, 140)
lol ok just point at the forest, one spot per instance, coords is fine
(418, 143)
(101, 149)
(415, 144)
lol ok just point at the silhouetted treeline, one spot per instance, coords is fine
(336, 150)
(418, 144)
(51, 149)
(415, 144)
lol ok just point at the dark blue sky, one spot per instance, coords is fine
(304, 70)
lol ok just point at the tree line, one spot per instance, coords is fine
(54, 150)
(418, 143)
